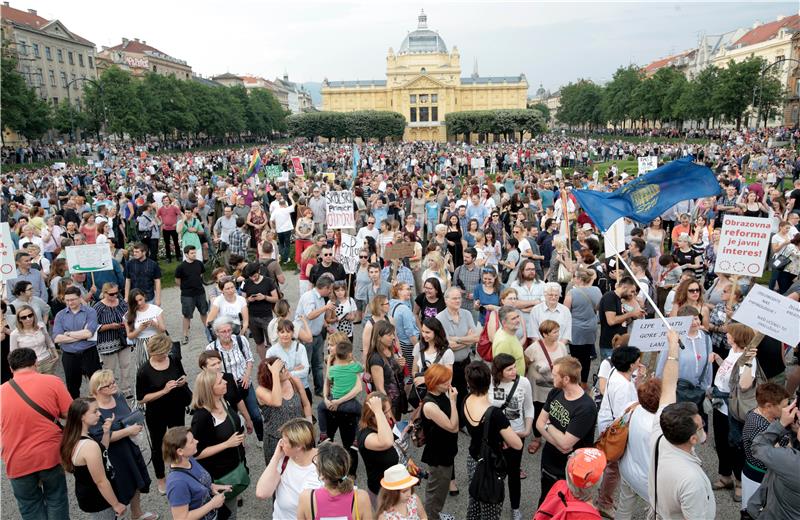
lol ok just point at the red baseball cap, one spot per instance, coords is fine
(586, 466)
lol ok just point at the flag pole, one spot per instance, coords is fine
(646, 294)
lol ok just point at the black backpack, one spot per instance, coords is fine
(265, 272)
(488, 483)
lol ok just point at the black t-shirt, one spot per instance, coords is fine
(577, 417)
(441, 446)
(795, 194)
(191, 277)
(335, 269)
(207, 434)
(497, 423)
(770, 357)
(149, 380)
(609, 302)
(375, 462)
(428, 309)
(260, 308)
(686, 258)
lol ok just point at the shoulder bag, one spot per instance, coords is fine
(688, 392)
(488, 482)
(484, 343)
(614, 439)
(239, 477)
(41, 411)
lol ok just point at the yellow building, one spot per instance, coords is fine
(423, 82)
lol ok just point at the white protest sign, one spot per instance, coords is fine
(614, 238)
(743, 245)
(348, 253)
(651, 335)
(59, 165)
(8, 268)
(89, 258)
(771, 314)
(647, 164)
(339, 205)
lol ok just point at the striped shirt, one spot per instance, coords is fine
(234, 359)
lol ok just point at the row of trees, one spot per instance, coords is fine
(364, 124)
(155, 106)
(499, 122)
(669, 98)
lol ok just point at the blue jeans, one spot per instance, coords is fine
(42, 495)
(315, 351)
(251, 404)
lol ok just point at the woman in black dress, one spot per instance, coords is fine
(161, 385)
(376, 441)
(455, 240)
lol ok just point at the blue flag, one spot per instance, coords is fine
(356, 161)
(650, 195)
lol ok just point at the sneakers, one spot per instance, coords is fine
(186, 340)
(516, 514)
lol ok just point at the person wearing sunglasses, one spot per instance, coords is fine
(327, 265)
(31, 333)
(24, 294)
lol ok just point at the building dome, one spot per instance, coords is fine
(423, 40)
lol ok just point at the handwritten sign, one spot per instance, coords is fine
(651, 335)
(89, 258)
(743, 245)
(298, 167)
(8, 268)
(399, 250)
(339, 206)
(348, 253)
(771, 314)
(647, 164)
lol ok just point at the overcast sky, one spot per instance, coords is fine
(552, 43)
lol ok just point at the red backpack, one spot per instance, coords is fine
(561, 505)
(484, 344)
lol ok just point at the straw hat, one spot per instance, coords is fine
(397, 478)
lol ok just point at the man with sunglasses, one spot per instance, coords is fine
(368, 231)
(327, 265)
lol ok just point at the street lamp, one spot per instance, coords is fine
(69, 102)
(759, 87)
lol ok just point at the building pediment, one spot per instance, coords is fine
(57, 29)
(426, 82)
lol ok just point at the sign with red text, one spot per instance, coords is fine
(8, 268)
(298, 167)
(339, 210)
(743, 245)
(771, 314)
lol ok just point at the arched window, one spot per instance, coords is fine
(422, 70)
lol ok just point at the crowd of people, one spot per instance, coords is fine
(503, 321)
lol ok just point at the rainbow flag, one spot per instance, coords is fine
(255, 165)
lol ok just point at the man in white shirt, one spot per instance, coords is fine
(530, 292)
(369, 231)
(550, 309)
(281, 219)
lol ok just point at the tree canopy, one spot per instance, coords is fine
(504, 122)
(364, 124)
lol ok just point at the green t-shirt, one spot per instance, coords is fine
(505, 343)
(343, 378)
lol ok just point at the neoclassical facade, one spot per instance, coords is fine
(423, 82)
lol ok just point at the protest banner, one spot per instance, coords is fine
(89, 258)
(8, 267)
(647, 164)
(399, 250)
(743, 245)
(614, 238)
(771, 314)
(339, 210)
(651, 335)
(273, 171)
(298, 167)
(348, 253)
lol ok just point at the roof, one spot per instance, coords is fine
(141, 47)
(494, 80)
(768, 31)
(207, 82)
(668, 61)
(356, 83)
(227, 75)
(423, 40)
(31, 20)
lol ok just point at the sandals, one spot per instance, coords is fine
(522, 474)
(722, 483)
(737, 493)
(534, 446)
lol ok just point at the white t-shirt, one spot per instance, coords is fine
(723, 378)
(635, 463)
(620, 393)
(294, 480)
(520, 406)
(232, 310)
(282, 216)
(447, 358)
(151, 313)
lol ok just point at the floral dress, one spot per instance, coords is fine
(412, 504)
(717, 318)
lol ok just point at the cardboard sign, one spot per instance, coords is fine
(614, 238)
(647, 164)
(89, 258)
(771, 314)
(339, 208)
(8, 267)
(399, 250)
(651, 335)
(743, 245)
(298, 167)
(348, 253)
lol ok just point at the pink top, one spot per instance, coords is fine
(332, 506)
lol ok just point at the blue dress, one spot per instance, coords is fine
(486, 299)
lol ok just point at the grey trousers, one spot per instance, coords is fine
(436, 489)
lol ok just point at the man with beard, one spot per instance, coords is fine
(612, 318)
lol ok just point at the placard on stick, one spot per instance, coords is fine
(89, 258)
(614, 238)
(399, 250)
(651, 335)
(298, 167)
(348, 253)
(647, 164)
(8, 267)
(743, 245)
(339, 213)
(771, 314)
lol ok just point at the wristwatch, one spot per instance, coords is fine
(546, 426)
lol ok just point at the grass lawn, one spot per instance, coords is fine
(81, 161)
(641, 139)
(631, 167)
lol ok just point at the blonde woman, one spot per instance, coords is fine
(31, 333)
(378, 310)
(560, 257)
(436, 269)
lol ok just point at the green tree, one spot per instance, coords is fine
(542, 109)
(22, 110)
(618, 101)
(67, 117)
(734, 92)
(770, 95)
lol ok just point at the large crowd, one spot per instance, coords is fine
(491, 322)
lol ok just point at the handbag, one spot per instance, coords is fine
(779, 262)
(135, 417)
(564, 276)
(688, 392)
(239, 477)
(488, 482)
(484, 347)
(614, 439)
